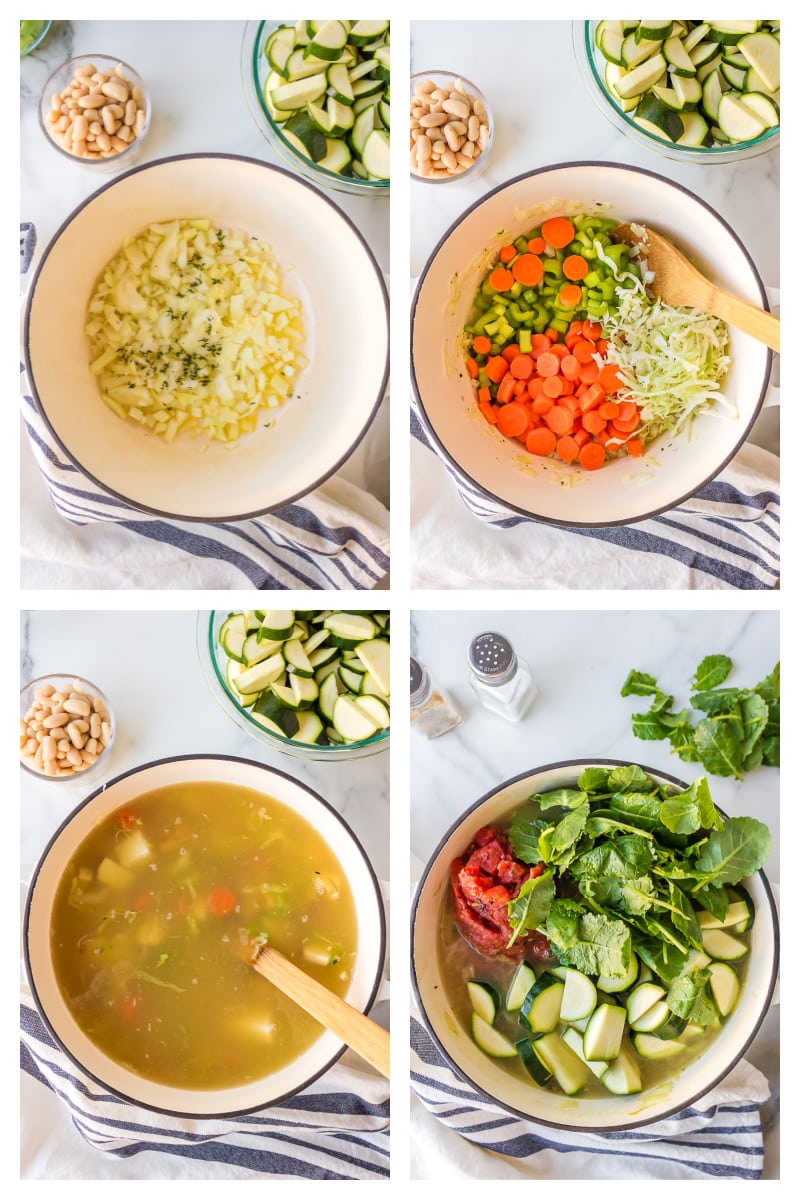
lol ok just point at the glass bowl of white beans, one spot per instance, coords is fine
(451, 126)
(66, 728)
(95, 110)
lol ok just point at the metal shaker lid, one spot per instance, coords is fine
(491, 657)
(419, 681)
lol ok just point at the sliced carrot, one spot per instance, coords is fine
(609, 409)
(489, 412)
(481, 344)
(592, 422)
(559, 420)
(601, 346)
(510, 351)
(528, 269)
(609, 377)
(590, 373)
(626, 426)
(553, 334)
(592, 456)
(552, 386)
(571, 403)
(536, 245)
(539, 343)
(472, 368)
(541, 441)
(570, 367)
(592, 397)
(635, 447)
(507, 253)
(570, 295)
(521, 388)
(505, 389)
(627, 410)
(558, 231)
(592, 330)
(522, 366)
(220, 901)
(541, 405)
(484, 395)
(501, 279)
(575, 267)
(559, 349)
(581, 437)
(535, 387)
(496, 368)
(512, 420)
(567, 386)
(567, 448)
(547, 364)
(583, 351)
(575, 327)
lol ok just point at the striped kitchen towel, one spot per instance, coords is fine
(726, 536)
(336, 537)
(337, 1128)
(718, 1137)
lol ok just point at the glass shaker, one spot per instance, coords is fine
(432, 714)
(501, 680)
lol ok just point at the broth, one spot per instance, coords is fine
(156, 918)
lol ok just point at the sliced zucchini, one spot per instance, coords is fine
(574, 1040)
(376, 709)
(309, 727)
(232, 636)
(603, 1036)
(763, 106)
(298, 92)
(679, 61)
(637, 81)
(695, 130)
(354, 627)
(484, 999)
(278, 624)
(376, 658)
(539, 1073)
(261, 674)
(376, 157)
(641, 999)
(580, 996)
(351, 722)
(623, 1076)
(329, 40)
(652, 1018)
(724, 984)
(620, 983)
(570, 1072)
(652, 1047)
(720, 944)
(522, 981)
(763, 52)
(609, 37)
(364, 32)
(540, 1011)
(491, 1040)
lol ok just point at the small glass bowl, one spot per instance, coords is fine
(61, 681)
(591, 66)
(447, 79)
(255, 68)
(37, 41)
(213, 661)
(62, 78)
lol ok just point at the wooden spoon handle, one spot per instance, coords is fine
(358, 1031)
(759, 324)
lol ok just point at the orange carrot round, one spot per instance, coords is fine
(472, 368)
(558, 231)
(547, 364)
(552, 386)
(609, 378)
(522, 366)
(567, 448)
(559, 420)
(512, 420)
(592, 330)
(541, 442)
(583, 351)
(570, 367)
(570, 295)
(481, 344)
(575, 267)
(536, 245)
(591, 456)
(501, 279)
(592, 422)
(496, 368)
(528, 269)
(635, 447)
(507, 253)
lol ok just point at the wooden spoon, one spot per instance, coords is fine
(358, 1031)
(678, 282)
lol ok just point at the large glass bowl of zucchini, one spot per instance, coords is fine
(698, 91)
(312, 684)
(319, 93)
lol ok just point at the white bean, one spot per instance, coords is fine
(88, 116)
(446, 129)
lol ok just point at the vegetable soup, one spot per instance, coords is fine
(157, 918)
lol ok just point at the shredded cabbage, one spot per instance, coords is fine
(671, 360)
(191, 332)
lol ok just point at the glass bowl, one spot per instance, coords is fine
(448, 79)
(63, 682)
(36, 36)
(591, 66)
(255, 69)
(213, 661)
(62, 78)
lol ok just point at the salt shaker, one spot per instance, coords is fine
(432, 714)
(501, 680)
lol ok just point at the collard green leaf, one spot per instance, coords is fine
(594, 779)
(530, 909)
(626, 896)
(681, 739)
(664, 960)
(569, 828)
(641, 809)
(771, 747)
(649, 727)
(714, 899)
(690, 810)
(719, 746)
(720, 700)
(639, 684)
(733, 852)
(560, 798)
(630, 779)
(684, 991)
(625, 857)
(524, 834)
(770, 687)
(755, 714)
(589, 941)
(713, 670)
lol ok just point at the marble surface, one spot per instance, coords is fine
(148, 665)
(193, 72)
(543, 114)
(579, 661)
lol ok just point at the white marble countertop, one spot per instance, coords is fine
(148, 665)
(192, 69)
(579, 661)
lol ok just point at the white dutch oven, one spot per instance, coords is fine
(122, 790)
(627, 489)
(325, 261)
(526, 1099)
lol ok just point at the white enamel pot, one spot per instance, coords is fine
(324, 260)
(525, 1099)
(625, 490)
(371, 934)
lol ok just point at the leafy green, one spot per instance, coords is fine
(739, 732)
(630, 862)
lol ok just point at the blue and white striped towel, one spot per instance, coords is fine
(337, 1128)
(336, 537)
(726, 536)
(720, 1136)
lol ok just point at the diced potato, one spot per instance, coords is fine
(134, 849)
(112, 875)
